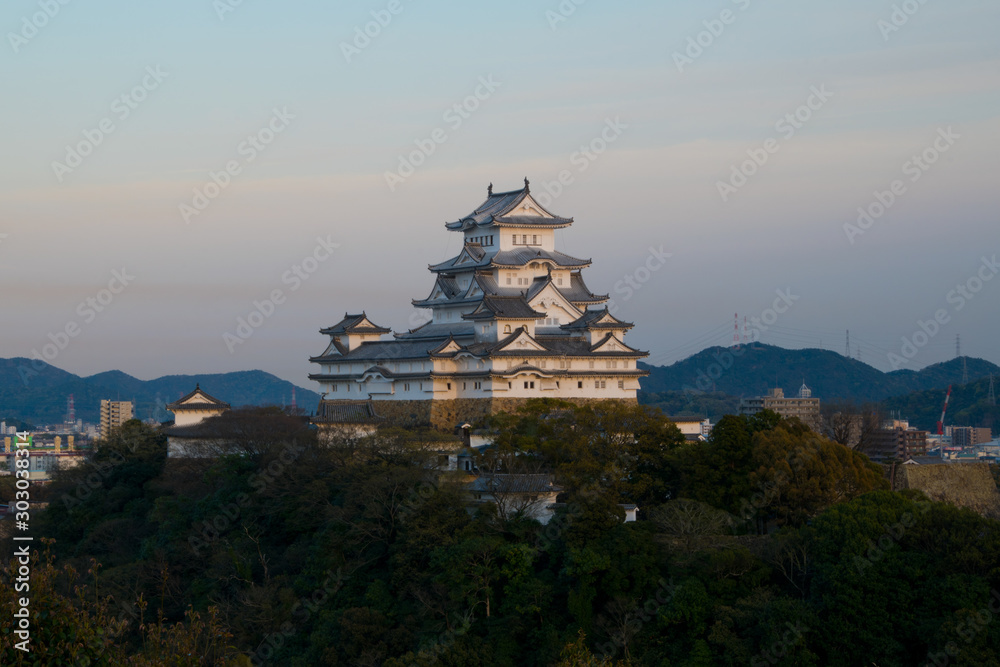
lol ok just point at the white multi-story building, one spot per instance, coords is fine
(512, 319)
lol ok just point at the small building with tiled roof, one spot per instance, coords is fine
(511, 319)
(195, 408)
(346, 418)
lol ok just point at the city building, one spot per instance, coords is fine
(114, 414)
(44, 456)
(511, 319)
(805, 407)
(896, 440)
(968, 436)
(693, 428)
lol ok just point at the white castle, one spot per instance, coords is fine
(512, 320)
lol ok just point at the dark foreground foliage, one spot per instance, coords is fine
(766, 545)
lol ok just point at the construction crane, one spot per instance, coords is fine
(940, 429)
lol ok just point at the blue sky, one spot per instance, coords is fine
(557, 86)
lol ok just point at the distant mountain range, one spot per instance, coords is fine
(831, 376)
(710, 382)
(36, 392)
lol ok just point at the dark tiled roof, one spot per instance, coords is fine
(504, 308)
(531, 221)
(529, 254)
(439, 331)
(927, 460)
(448, 285)
(603, 341)
(386, 350)
(346, 412)
(589, 321)
(504, 483)
(207, 402)
(354, 324)
(577, 292)
(500, 203)
(451, 339)
(514, 258)
(203, 429)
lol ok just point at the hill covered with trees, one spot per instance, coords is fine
(36, 392)
(753, 369)
(766, 545)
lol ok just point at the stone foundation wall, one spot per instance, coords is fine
(445, 415)
(961, 484)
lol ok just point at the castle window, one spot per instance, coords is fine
(406, 386)
(333, 387)
(621, 384)
(506, 328)
(534, 239)
(579, 385)
(478, 385)
(542, 363)
(463, 386)
(449, 386)
(591, 364)
(558, 281)
(524, 239)
(514, 239)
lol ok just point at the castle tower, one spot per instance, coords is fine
(511, 319)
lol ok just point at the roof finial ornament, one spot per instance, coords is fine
(489, 190)
(527, 185)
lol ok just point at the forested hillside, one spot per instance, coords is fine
(764, 546)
